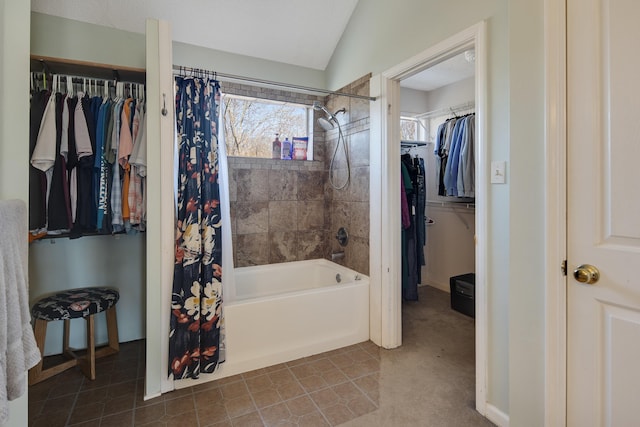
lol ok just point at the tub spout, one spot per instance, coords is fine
(337, 255)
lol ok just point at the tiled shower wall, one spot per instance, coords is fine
(286, 210)
(349, 207)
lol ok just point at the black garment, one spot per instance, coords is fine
(89, 208)
(421, 200)
(59, 211)
(84, 174)
(37, 178)
(72, 157)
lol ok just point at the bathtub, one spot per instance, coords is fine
(282, 312)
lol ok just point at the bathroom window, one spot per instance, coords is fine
(409, 129)
(251, 125)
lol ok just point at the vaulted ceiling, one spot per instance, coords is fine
(297, 32)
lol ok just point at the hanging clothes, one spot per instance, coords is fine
(454, 150)
(196, 340)
(37, 178)
(413, 234)
(74, 170)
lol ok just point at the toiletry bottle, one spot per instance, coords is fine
(276, 148)
(286, 150)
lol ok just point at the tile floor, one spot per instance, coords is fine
(360, 385)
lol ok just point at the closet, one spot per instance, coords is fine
(431, 102)
(75, 240)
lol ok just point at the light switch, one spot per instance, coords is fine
(498, 172)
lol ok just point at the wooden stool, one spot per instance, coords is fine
(73, 304)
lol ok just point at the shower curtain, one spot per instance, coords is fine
(196, 338)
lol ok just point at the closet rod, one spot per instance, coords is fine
(413, 144)
(181, 70)
(85, 69)
(442, 111)
(447, 204)
(81, 79)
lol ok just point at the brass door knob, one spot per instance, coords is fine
(586, 273)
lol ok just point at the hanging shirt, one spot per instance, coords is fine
(451, 169)
(466, 170)
(37, 178)
(124, 151)
(44, 154)
(135, 182)
(116, 184)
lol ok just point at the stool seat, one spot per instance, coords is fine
(75, 303)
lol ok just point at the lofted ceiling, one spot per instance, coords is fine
(297, 32)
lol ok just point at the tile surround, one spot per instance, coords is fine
(304, 212)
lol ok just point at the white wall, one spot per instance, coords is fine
(114, 261)
(450, 248)
(451, 95)
(526, 216)
(413, 101)
(65, 38)
(14, 126)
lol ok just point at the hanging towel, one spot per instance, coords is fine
(19, 351)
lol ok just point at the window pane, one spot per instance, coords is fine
(252, 124)
(408, 130)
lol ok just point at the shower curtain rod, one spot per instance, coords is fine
(181, 70)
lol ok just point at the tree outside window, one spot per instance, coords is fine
(252, 124)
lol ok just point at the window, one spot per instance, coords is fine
(251, 125)
(408, 129)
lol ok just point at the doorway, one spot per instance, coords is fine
(385, 262)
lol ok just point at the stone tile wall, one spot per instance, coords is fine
(286, 210)
(349, 207)
(277, 210)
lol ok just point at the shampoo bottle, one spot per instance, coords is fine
(276, 148)
(286, 150)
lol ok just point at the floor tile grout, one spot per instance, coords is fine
(353, 373)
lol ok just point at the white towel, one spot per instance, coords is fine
(18, 349)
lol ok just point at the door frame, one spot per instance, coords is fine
(385, 263)
(555, 56)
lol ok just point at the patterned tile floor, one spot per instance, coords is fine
(323, 390)
(428, 381)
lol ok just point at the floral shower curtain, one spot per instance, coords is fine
(196, 340)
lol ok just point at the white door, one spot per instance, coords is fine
(603, 324)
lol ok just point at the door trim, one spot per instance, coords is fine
(385, 266)
(555, 211)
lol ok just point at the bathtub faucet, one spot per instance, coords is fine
(337, 255)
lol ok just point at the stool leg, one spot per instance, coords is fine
(113, 346)
(66, 351)
(40, 333)
(112, 329)
(88, 365)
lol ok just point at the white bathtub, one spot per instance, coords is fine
(286, 311)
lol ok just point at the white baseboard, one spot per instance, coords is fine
(496, 416)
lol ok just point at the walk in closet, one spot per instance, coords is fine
(80, 235)
(431, 104)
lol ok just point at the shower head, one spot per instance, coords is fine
(319, 107)
(327, 124)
